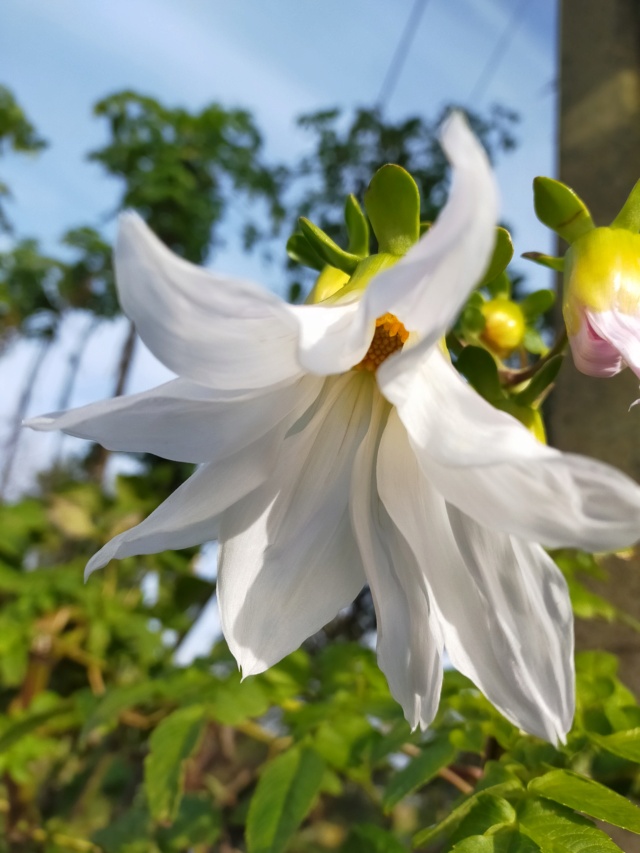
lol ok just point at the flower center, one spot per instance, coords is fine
(389, 337)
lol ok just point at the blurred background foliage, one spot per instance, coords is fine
(113, 740)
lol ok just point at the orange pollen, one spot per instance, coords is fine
(389, 337)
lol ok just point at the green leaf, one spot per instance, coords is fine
(368, 838)
(197, 823)
(481, 372)
(625, 744)
(419, 771)
(129, 833)
(559, 208)
(357, 227)
(559, 830)
(534, 343)
(504, 841)
(487, 811)
(499, 287)
(326, 248)
(585, 795)
(425, 836)
(472, 321)
(300, 250)
(537, 303)
(539, 382)
(171, 743)
(502, 254)
(392, 202)
(29, 722)
(282, 799)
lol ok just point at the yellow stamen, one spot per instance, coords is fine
(389, 337)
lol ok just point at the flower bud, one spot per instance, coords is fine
(504, 326)
(601, 303)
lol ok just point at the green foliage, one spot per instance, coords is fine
(181, 170)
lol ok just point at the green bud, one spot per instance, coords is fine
(392, 202)
(559, 208)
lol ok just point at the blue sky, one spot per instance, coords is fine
(278, 58)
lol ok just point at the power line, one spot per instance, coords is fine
(400, 54)
(484, 78)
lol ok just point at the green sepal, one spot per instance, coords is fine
(548, 261)
(300, 250)
(537, 303)
(357, 228)
(325, 247)
(392, 202)
(629, 216)
(558, 207)
(481, 372)
(545, 377)
(502, 254)
(499, 287)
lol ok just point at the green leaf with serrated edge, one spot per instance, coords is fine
(419, 771)
(282, 799)
(503, 841)
(301, 251)
(560, 208)
(559, 830)
(425, 836)
(585, 795)
(392, 202)
(357, 228)
(502, 254)
(481, 372)
(368, 838)
(629, 216)
(548, 261)
(170, 744)
(624, 744)
(537, 303)
(487, 811)
(326, 248)
(539, 383)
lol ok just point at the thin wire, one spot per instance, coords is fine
(484, 78)
(401, 52)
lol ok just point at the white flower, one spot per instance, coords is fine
(318, 477)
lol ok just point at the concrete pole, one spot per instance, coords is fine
(599, 128)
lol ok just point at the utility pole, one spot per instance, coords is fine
(599, 144)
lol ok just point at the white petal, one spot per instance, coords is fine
(622, 332)
(212, 329)
(562, 501)
(182, 420)
(592, 353)
(429, 286)
(288, 561)
(408, 652)
(501, 604)
(426, 288)
(490, 466)
(448, 420)
(190, 516)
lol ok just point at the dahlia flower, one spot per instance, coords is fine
(339, 447)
